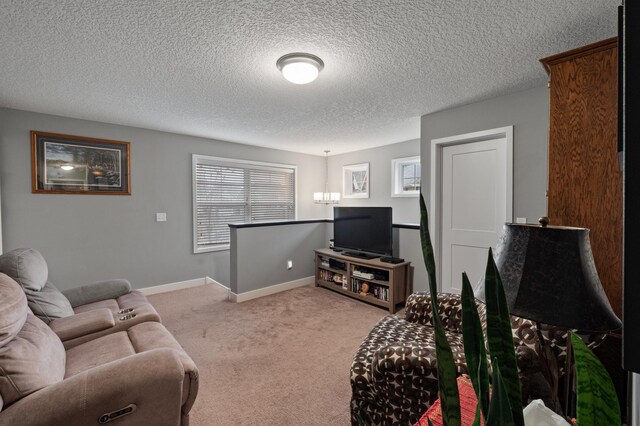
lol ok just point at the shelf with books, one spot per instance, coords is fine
(388, 285)
(378, 291)
(332, 277)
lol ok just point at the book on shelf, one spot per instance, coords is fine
(326, 275)
(378, 291)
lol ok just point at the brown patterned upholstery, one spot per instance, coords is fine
(394, 376)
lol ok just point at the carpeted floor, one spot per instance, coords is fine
(279, 360)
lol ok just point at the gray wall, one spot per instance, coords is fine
(528, 112)
(259, 254)
(92, 237)
(410, 248)
(405, 209)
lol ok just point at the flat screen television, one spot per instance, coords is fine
(363, 230)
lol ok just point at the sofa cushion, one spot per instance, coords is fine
(48, 303)
(35, 358)
(137, 339)
(13, 309)
(98, 352)
(26, 266)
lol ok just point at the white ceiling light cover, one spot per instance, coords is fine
(300, 68)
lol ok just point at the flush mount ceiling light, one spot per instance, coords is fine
(300, 68)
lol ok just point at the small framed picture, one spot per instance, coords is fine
(66, 164)
(355, 181)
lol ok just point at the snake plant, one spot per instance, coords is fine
(597, 403)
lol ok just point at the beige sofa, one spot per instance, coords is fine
(139, 376)
(80, 314)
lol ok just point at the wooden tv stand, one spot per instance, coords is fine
(389, 287)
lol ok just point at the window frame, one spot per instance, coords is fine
(396, 176)
(233, 162)
(347, 173)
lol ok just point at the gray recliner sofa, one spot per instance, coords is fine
(80, 314)
(140, 376)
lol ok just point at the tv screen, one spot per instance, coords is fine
(363, 229)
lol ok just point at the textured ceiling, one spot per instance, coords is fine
(207, 68)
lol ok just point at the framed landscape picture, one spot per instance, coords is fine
(355, 181)
(65, 164)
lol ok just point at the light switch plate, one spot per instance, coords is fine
(161, 217)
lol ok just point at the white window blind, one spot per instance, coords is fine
(232, 191)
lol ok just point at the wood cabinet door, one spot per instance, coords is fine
(585, 182)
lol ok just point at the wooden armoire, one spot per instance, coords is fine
(585, 181)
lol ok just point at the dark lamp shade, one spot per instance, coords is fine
(549, 276)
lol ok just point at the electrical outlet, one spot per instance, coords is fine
(289, 264)
(521, 220)
(161, 217)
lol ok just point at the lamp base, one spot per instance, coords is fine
(549, 367)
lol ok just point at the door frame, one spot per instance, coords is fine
(437, 146)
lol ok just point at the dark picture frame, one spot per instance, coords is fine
(67, 164)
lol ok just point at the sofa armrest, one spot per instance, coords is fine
(153, 381)
(406, 372)
(96, 292)
(81, 324)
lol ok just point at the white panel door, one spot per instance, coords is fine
(474, 201)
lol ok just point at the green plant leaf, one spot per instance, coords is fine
(500, 339)
(500, 411)
(474, 350)
(447, 371)
(427, 248)
(447, 376)
(597, 399)
(476, 419)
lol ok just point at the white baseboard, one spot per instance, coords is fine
(163, 288)
(277, 288)
(209, 280)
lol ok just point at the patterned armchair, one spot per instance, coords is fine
(394, 375)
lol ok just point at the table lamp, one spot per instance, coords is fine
(549, 276)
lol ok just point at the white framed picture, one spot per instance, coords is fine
(405, 177)
(355, 181)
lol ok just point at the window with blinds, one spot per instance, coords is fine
(235, 191)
